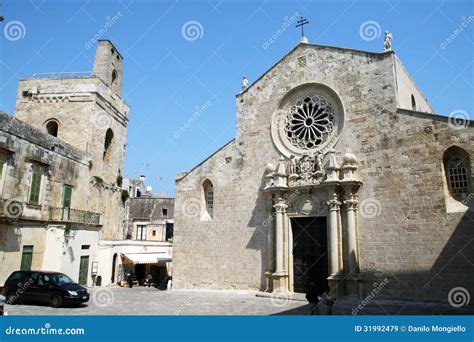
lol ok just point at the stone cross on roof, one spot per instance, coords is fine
(301, 23)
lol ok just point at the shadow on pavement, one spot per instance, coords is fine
(384, 307)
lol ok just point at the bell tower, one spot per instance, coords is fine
(108, 66)
(85, 111)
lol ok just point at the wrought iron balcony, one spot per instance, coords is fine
(74, 216)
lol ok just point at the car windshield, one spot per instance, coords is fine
(60, 279)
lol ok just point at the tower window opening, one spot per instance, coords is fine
(114, 76)
(413, 102)
(52, 128)
(109, 137)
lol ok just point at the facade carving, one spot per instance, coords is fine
(308, 205)
(306, 170)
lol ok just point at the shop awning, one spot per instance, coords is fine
(147, 258)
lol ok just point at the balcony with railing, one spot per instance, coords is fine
(74, 216)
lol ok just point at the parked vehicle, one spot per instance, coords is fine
(53, 288)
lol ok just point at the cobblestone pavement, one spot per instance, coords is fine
(150, 301)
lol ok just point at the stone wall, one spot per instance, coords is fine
(86, 108)
(63, 164)
(108, 65)
(423, 249)
(408, 95)
(399, 153)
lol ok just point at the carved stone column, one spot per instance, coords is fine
(333, 244)
(270, 250)
(334, 252)
(280, 275)
(351, 205)
(351, 185)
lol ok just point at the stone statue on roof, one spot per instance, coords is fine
(245, 82)
(387, 45)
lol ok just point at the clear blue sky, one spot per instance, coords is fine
(167, 76)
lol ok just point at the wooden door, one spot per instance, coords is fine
(83, 270)
(310, 257)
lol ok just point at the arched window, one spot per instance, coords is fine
(109, 137)
(209, 197)
(52, 127)
(413, 102)
(114, 76)
(457, 169)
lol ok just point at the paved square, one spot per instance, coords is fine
(150, 301)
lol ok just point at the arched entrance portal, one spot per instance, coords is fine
(314, 201)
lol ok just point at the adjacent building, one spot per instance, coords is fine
(149, 219)
(62, 156)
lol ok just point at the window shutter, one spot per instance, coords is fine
(67, 196)
(35, 188)
(26, 258)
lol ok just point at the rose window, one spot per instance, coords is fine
(309, 123)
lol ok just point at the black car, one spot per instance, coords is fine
(52, 288)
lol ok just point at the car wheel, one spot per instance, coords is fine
(56, 301)
(11, 298)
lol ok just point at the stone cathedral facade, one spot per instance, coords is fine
(340, 174)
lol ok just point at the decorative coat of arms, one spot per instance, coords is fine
(307, 170)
